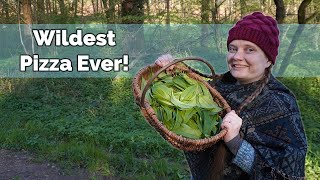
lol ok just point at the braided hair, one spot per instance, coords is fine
(250, 98)
(216, 172)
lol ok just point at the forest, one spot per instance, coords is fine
(153, 11)
(90, 120)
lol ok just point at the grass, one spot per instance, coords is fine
(91, 123)
(94, 123)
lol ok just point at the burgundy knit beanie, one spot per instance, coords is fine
(259, 29)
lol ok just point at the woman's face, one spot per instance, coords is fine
(246, 61)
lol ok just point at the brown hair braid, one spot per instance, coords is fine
(249, 99)
(217, 167)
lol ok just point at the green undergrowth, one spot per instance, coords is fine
(92, 123)
(307, 92)
(95, 124)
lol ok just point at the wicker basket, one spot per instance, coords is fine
(177, 141)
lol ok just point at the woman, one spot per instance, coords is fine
(265, 138)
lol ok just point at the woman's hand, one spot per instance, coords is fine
(164, 60)
(232, 122)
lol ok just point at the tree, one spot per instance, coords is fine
(54, 8)
(205, 12)
(109, 9)
(94, 8)
(280, 11)
(75, 8)
(26, 37)
(63, 11)
(48, 6)
(82, 6)
(168, 11)
(132, 12)
(40, 12)
(243, 7)
(5, 9)
(216, 27)
(26, 11)
(302, 19)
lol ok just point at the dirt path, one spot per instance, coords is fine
(21, 165)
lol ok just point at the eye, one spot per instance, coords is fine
(232, 49)
(250, 50)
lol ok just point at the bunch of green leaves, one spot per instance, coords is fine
(185, 106)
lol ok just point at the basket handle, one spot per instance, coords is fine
(165, 67)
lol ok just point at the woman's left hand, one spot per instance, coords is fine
(232, 122)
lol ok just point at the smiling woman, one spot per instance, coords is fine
(265, 137)
(246, 61)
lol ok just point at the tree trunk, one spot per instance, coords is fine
(5, 6)
(109, 9)
(97, 6)
(48, 6)
(26, 10)
(2, 8)
(105, 7)
(302, 11)
(205, 11)
(301, 19)
(215, 10)
(82, 4)
(26, 38)
(216, 27)
(148, 10)
(168, 11)
(62, 8)
(75, 8)
(93, 6)
(280, 11)
(132, 12)
(317, 18)
(286, 60)
(101, 5)
(55, 7)
(40, 12)
(183, 8)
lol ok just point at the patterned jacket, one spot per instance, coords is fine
(274, 145)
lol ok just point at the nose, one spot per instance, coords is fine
(239, 55)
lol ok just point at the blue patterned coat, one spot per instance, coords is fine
(274, 145)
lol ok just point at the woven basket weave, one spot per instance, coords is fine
(180, 142)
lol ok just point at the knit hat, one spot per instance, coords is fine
(259, 29)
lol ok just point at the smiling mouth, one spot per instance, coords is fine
(238, 66)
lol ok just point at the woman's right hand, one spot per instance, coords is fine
(164, 60)
(232, 122)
